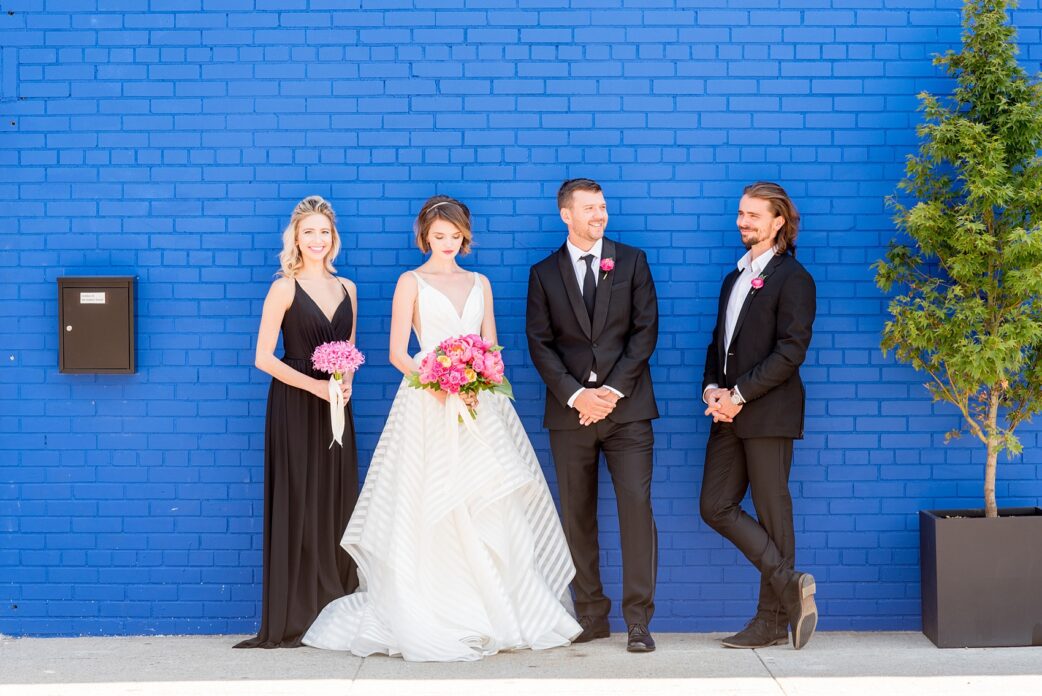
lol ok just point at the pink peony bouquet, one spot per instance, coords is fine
(463, 364)
(337, 358)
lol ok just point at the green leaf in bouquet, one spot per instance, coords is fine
(504, 388)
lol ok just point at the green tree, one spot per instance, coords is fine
(969, 308)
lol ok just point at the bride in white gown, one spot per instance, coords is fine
(459, 547)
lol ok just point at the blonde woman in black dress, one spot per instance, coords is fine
(310, 488)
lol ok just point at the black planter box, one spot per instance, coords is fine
(981, 578)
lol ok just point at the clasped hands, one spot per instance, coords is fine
(594, 405)
(720, 406)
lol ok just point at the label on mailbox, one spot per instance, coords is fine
(92, 298)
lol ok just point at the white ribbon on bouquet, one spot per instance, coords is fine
(457, 412)
(336, 411)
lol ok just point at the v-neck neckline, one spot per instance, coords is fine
(316, 305)
(466, 301)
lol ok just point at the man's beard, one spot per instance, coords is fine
(755, 239)
(589, 233)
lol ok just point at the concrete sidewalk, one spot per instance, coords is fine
(833, 664)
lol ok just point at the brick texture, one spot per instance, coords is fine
(171, 143)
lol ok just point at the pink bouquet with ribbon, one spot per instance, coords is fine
(464, 364)
(337, 358)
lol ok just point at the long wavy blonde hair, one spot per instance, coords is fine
(290, 258)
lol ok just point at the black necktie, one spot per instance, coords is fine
(589, 288)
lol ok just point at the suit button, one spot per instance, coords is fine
(730, 355)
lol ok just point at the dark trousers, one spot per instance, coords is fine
(627, 448)
(732, 467)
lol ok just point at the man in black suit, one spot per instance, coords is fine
(753, 391)
(592, 322)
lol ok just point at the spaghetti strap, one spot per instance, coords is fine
(419, 279)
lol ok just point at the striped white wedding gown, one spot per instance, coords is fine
(460, 551)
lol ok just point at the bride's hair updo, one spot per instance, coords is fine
(443, 208)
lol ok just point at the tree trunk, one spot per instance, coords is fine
(991, 509)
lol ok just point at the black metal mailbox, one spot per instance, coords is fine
(96, 325)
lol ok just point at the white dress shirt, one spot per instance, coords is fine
(750, 268)
(579, 266)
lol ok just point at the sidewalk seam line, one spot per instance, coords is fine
(773, 677)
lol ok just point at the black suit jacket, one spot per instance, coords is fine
(566, 345)
(768, 346)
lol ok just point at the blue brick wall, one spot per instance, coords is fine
(171, 144)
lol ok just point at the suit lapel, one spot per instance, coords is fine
(725, 295)
(604, 285)
(772, 265)
(571, 287)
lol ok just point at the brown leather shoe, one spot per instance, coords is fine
(640, 639)
(760, 632)
(798, 599)
(594, 627)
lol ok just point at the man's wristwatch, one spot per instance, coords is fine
(736, 398)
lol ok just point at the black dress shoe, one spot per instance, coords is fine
(593, 627)
(760, 632)
(798, 599)
(640, 640)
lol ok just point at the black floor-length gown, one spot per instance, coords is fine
(310, 489)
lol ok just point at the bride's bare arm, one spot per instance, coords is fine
(402, 308)
(488, 324)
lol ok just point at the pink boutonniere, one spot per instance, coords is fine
(607, 265)
(757, 282)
